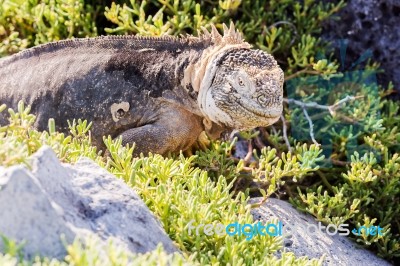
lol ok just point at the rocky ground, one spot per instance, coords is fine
(81, 200)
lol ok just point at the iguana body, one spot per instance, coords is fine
(160, 93)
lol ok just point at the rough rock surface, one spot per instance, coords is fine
(339, 250)
(370, 25)
(78, 200)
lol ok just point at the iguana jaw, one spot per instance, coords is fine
(244, 113)
(271, 112)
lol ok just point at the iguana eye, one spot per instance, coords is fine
(241, 82)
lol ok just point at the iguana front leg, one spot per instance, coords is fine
(175, 130)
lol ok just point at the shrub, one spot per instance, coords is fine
(26, 23)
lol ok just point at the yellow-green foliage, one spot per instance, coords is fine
(26, 23)
(367, 191)
(283, 28)
(175, 190)
(92, 253)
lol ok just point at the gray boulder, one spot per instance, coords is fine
(82, 200)
(338, 250)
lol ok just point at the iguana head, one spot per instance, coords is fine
(239, 87)
(246, 90)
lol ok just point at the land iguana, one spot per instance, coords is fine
(162, 93)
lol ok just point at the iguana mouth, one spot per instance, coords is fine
(269, 112)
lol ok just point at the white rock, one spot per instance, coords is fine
(80, 200)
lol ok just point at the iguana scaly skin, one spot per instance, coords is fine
(161, 93)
